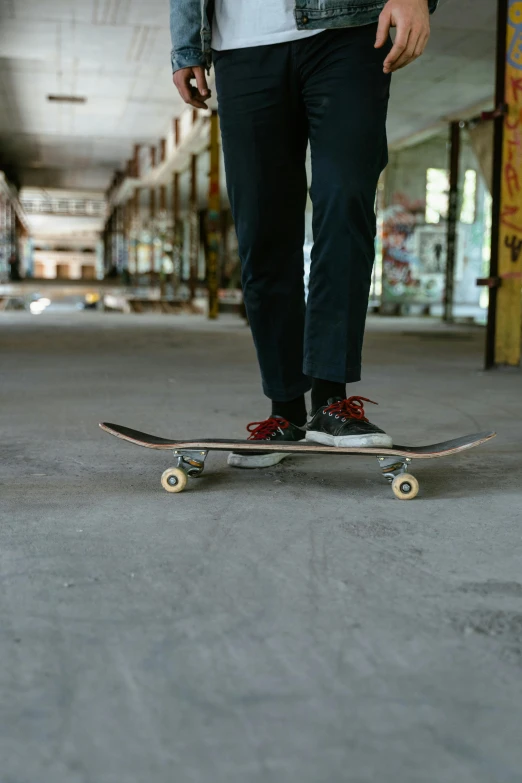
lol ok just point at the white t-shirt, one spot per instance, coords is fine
(241, 23)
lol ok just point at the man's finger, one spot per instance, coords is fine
(201, 82)
(421, 44)
(422, 39)
(198, 100)
(383, 28)
(188, 93)
(406, 58)
(408, 54)
(399, 46)
(198, 103)
(182, 81)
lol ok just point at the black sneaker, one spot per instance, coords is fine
(273, 429)
(343, 423)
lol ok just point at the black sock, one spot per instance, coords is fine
(322, 391)
(293, 411)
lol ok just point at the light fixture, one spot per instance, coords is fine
(67, 99)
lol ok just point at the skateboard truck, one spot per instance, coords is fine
(187, 463)
(404, 485)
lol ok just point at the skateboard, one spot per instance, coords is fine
(394, 462)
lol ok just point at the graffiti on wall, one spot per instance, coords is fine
(511, 217)
(413, 253)
(509, 312)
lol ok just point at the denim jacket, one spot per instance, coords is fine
(191, 20)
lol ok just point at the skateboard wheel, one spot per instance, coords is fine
(405, 486)
(174, 480)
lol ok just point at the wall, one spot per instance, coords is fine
(78, 265)
(414, 251)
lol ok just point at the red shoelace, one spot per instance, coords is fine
(352, 408)
(262, 430)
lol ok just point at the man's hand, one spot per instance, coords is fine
(194, 96)
(412, 20)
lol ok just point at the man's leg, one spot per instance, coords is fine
(264, 130)
(346, 97)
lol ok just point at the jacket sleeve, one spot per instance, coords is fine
(432, 4)
(185, 32)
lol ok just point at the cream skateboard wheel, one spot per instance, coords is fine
(174, 480)
(405, 486)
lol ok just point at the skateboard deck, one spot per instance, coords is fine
(191, 454)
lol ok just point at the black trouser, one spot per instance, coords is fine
(329, 89)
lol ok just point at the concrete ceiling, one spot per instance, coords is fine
(455, 76)
(116, 54)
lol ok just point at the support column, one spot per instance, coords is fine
(107, 247)
(136, 161)
(213, 220)
(136, 228)
(118, 244)
(127, 211)
(163, 188)
(114, 238)
(152, 192)
(163, 199)
(175, 199)
(504, 334)
(454, 158)
(153, 274)
(194, 227)
(177, 240)
(136, 211)
(3, 239)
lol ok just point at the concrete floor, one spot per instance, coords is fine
(294, 625)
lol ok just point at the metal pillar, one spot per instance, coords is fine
(152, 190)
(136, 161)
(194, 227)
(454, 158)
(177, 241)
(503, 343)
(498, 137)
(127, 214)
(213, 220)
(175, 199)
(136, 229)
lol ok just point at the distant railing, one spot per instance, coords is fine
(60, 206)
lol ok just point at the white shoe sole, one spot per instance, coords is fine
(374, 439)
(255, 460)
